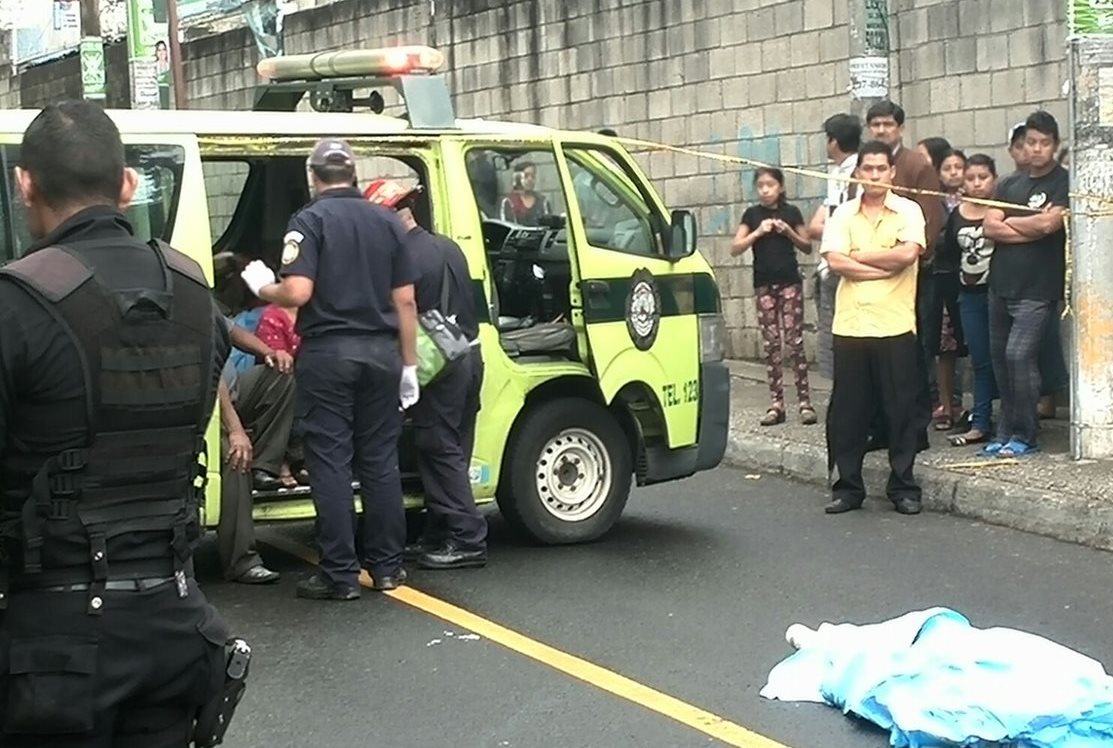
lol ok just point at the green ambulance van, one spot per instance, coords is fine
(601, 324)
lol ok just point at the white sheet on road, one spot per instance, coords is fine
(932, 679)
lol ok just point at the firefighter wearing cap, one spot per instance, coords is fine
(444, 419)
(344, 265)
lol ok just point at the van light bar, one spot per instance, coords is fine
(377, 63)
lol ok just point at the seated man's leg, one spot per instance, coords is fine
(266, 406)
(236, 529)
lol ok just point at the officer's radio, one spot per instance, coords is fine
(214, 717)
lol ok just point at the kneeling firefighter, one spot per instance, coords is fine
(110, 355)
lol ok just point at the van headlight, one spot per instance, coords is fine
(712, 337)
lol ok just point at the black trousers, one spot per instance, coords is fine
(444, 435)
(350, 420)
(873, 374)
(133, 677)
(925, 369)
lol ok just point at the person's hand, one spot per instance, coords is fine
(408, 390)
(256, 275)
(280, 360)
(239, 451)
(766, 226)
(779, 226)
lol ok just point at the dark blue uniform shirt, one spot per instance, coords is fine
(353, 252)
(431, 255)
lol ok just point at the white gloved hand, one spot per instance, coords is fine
(256, 275)
(408, 390)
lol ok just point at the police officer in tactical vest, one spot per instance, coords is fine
(344, 264)
(110, 353)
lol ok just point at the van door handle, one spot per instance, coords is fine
(597, 288)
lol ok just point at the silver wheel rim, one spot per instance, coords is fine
(573, 475)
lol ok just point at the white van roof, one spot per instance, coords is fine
(218, 122)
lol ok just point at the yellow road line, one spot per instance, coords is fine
(600, 677)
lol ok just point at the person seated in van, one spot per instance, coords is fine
(277, 330)
(524, 205)
(256, 416)
(264, 398)
(232, 293)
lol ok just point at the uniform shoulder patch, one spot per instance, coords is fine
(291, 246)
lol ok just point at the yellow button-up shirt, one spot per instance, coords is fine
(876, 308)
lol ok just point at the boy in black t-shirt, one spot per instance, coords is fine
(1026, 282)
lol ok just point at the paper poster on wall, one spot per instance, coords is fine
(869, 77)
(1091, 17)
(43, 30)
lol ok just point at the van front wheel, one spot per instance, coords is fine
(568, 472)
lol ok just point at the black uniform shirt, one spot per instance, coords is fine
(352, 251)
(42, 390)
(431, 254)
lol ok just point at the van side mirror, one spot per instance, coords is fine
(682, 235)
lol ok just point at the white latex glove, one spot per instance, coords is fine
(408, 390)
(256, 275)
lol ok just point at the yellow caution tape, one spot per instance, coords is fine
(1068, 215)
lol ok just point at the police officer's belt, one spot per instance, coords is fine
(112, 585)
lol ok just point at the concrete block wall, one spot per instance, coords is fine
(747, 78)
(972, 87)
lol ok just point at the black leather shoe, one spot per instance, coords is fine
(319, 587)
(264, 481)
(451, 556)
(258, 574)
(841, 506)
(908, 506)
(387, 582)
(420, 548)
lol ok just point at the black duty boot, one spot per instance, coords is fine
(320, 587)
(451, 556)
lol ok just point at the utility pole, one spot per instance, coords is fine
(92, 52)
(177, 65)
(1091, 133)
(141, 55)
(869, 54)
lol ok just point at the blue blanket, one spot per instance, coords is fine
(931, 679)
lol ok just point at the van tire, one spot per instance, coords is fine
(567, 473)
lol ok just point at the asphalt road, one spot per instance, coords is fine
(690, 595)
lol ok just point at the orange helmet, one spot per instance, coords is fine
(388, 192)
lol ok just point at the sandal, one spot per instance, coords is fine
(808, 416)
(773, 417)
(965, 440)
(944, 423)
(991, 449)
(1017, 448)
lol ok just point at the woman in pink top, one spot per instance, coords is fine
(276, 330)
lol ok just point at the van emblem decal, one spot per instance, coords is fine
(643, 309)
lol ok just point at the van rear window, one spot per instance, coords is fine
(151, 212)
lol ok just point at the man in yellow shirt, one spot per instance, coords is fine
(874, 242)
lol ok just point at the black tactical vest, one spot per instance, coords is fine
(124, 506)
